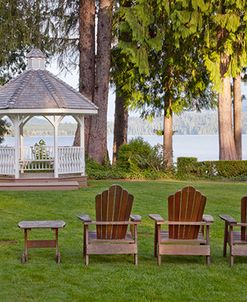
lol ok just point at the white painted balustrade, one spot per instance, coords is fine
(41, 158)
(70, 160)
(7, 160)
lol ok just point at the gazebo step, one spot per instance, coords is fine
(38, 178)
(41, 186)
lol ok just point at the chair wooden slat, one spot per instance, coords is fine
(185, 205)
(183, 213)
(171, 214)
(118, 198)
(190, 205)
(114, 204)
(243, 217)
(110, 210)
(98, 207)
(196, 214)
(125, 210)
(174, 214)
(104, 211)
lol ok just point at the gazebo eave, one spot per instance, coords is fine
(48, 111)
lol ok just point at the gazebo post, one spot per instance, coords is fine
(21, 145)
(17, 121)
(55, 148)
(55, 120)
(82, 141)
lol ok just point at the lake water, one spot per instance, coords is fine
(204, 147)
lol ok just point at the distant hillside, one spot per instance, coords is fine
(186, 123)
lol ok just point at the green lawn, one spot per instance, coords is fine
(115, 278)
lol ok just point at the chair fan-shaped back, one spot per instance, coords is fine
(243, 217)
(185, 205)
(114, 204)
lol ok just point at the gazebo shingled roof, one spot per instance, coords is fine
(39, 89)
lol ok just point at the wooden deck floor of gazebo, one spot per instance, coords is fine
(42, 182)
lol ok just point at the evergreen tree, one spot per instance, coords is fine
(24, 24)
(119, 71)
(168, 74)
(225, 56)
(97, 149)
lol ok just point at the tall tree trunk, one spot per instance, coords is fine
(98, 133)
(167, 138)
(120, 125)
(227, 150)
(87, 59)
(237, 115)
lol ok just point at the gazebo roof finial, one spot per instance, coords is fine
(36, 59)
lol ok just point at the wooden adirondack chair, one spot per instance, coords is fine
(188, 228)
(113, 208)
(237, 239)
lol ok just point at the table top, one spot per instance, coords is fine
(42, 224)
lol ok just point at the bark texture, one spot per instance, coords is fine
(167, 138)
(227, 150)
(87, 58)
(237, 115)
(120, 125)
(98, 132)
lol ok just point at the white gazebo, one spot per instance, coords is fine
(37, 92)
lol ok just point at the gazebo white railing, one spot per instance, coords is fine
(38, 158)
(41, 158)
(70, 160)
(7, 161)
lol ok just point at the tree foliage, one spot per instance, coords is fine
(25, 24)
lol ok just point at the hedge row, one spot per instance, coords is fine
(221, 168)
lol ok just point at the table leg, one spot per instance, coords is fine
(24, 257)
(58, 258)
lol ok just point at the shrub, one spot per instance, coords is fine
(230, 169)
(95, 170)
(138, 155)
(186, 165)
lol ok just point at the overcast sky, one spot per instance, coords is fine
(72, 80)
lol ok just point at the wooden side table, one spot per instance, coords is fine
(27, 226)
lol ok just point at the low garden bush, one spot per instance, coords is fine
(95, 170)
(230, 169)
(136, 160)
(139, 155)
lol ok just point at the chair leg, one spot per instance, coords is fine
(85, 245)
(135, 237)
(158, 245)
(225, 239)
(231, 245)
(86, 259)
(208, 260)
(135, 259)
(158, 259)
(155, 240)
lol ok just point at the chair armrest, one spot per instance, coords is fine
(157, 218)
(228, 219)
(135, 218)
(84, 218)
(207, 218)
